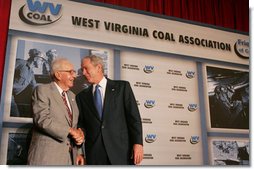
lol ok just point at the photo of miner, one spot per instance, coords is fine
(228, 92)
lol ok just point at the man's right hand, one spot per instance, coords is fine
(77, 135)
(80, 160)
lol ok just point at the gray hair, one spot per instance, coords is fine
(95, 60)
(57, 65)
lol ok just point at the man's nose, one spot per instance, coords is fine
(84, 72)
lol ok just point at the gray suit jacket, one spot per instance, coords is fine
(50, 142)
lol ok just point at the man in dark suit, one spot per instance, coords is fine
(113, 137)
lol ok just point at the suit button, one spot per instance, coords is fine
(102, 126)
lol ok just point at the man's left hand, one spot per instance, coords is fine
(137, 153)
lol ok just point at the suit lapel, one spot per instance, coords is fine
(59, 100)
(109, 97)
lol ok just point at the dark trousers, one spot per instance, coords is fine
(99, 155)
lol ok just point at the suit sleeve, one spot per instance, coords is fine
(81, 115)
(43, 117)
(81, 124)
(133, 116)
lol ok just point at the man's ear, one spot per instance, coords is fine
(100, 67)
(57, 75)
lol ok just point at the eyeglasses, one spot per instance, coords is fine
(69, 71)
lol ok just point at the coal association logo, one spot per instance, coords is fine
(40, 13)
(150, 138)
(148, 69)
(192, 107)
(190, 74)
(194, 139)
(149, 104)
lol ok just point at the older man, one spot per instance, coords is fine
(55, 137)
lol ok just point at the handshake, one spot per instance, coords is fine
(77, 135)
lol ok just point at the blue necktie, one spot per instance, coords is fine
(97, 100)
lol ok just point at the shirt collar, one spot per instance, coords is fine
(59, 88)
(102, 83)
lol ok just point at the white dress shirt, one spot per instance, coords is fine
(102, 88)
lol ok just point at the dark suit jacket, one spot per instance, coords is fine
(120, 126)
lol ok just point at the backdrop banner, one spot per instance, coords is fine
(98, 24)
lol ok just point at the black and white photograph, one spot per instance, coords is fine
(230, 152)
(228, 95)
(18, 144)
(15, 144)
(32, 67)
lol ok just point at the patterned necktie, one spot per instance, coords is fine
(67, 107)
(98, 100)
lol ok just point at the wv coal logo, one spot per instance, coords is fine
(148, 69)
(190, 74)
(194, 139)
(192, 107)
(40, 13)
(150, 138)
(149, 104)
